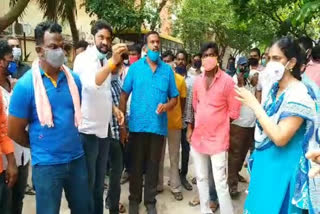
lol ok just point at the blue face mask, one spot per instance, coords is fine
(181, 70)
(100, 55)
(12, 68)
(153, 55)
(264, 62)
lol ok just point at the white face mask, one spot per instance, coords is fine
(16, 52)
(275, 70)
(55, 57)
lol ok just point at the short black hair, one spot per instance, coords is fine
(197, 54)
(101, 24)
(257, 50)
(4, 48)
(209, 45)
(305, 43)
(135, 47)
(81, 44)
(315, 53)
(168, 53)
(148, 34)
(232, 58)
(42, 27)
(181, 51)
(291, 49)
(11, 38)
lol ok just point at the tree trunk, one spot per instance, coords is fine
(13, 14)
(73, 25)
(159, 9)
(223, 51)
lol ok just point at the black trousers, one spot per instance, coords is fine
(16, 194)
(185, 152)
(116, 167)
(3, 194)
(145, 151)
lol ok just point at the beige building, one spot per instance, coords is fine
(33, 15)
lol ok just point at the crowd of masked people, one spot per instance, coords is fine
(119, 107)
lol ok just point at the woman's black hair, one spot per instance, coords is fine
(291, 49)
(316, 53)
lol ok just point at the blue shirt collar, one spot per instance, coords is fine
(42, 72)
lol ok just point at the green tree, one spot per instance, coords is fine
(17, 8)
(61, 10)
(199, 21)
(241, 24)
(293, 17)
(155, 8)
(121, 14)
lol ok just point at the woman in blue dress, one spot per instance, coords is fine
(285, 124)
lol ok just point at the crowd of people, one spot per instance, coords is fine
(119, 107)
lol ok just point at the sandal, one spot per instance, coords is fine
(234, 193)
(242, 179)
(177, 195)
(122, 209)
(195, 202)
(29, 190)
(194, 180)
(185, 183)
(214, 206)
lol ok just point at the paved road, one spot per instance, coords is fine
(166, 203)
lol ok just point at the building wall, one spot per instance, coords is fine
(165, 17)
(33, 15)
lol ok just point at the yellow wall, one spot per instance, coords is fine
(33, 15)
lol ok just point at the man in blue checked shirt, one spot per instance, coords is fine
(154, 92)
(115, 153)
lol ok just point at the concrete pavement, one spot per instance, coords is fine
(166, 203)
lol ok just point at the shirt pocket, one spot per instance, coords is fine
(161, 85)
(216, 98)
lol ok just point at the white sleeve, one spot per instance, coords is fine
(86, 71)
(259, 84)
(235, 79)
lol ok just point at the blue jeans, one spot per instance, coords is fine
(212, 187)
(49, 181)
(96, 153)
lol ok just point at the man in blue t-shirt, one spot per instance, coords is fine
(152, 85)
(57, 156)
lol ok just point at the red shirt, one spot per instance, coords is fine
(213, 109)
(313, 72)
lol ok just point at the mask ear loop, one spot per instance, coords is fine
(290, 69)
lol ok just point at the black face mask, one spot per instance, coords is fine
(197, 64)
(253, 62)
(182, 70)
(232, 66)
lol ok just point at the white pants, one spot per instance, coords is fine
(219, 168)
